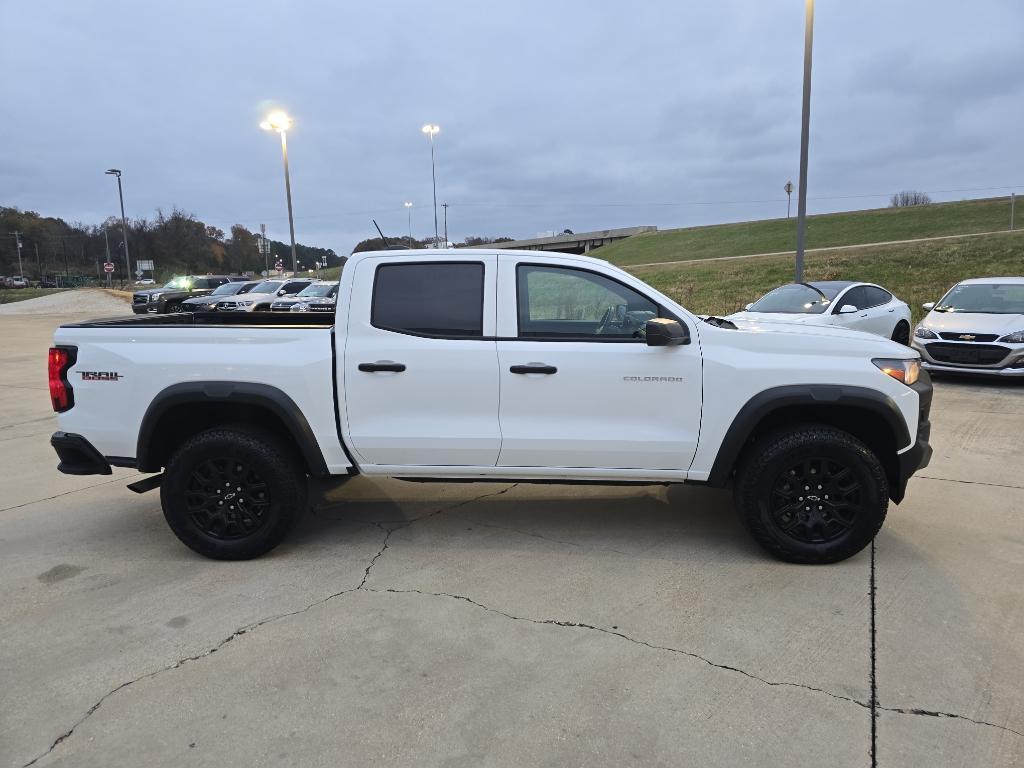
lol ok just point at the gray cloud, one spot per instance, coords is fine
(572, 114)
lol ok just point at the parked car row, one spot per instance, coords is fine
(977, 327)
(234, 293)
(14, 282)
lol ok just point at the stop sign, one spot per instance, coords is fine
(108, 266)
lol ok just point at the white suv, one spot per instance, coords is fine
(977, 327)
(263, 295)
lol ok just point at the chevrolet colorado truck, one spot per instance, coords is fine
(477, 365)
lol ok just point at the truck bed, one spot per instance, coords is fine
(216, 319)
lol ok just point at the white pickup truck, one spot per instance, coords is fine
(492, 366)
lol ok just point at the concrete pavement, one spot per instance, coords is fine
(508, 624)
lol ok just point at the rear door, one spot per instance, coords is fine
(858, 320)
(579, 385)
(420, 362)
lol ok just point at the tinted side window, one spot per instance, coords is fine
(557, 302)
(875, 296)
(854, 296)
(429, 299)
(293, 288)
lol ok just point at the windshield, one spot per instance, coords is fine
(228, 289)
(268, 286)
(318, 289)
(794, 299)
(986, 298)
(179, 283)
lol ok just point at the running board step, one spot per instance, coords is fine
(147, 483)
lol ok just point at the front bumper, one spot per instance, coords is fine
(78, 456)
(1011, 364)
(920, 453)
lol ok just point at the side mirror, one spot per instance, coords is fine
(664, 332)
(929, 306)
(747, 308)
(847, 309)
(281, 292)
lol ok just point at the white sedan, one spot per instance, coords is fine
(842, 303)
(977, 327)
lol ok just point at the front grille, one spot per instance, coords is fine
(967, 354)
(140, 298)
(228, 304)
(321, 307)
(277, 307)
(976, 337)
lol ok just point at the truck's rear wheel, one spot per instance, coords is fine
(811, 494)
(233, 493)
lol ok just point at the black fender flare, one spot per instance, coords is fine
(263, 395)
(764, 403)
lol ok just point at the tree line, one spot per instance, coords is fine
(177, 243)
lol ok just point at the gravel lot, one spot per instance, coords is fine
(94, 302)
(468, 625)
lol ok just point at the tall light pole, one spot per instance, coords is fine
(124, 222)
(431, 131)
(445, 206)
(805, 128)
(280, 122)
(408, 210)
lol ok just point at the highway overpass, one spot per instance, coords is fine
(578, 242)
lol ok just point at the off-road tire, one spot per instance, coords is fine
(833, 529)
(266, 482)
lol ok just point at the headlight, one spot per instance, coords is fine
(1016, 337)
(155, 296)
(924, 333)
(300, 307)
(906, 371)
(245, 303)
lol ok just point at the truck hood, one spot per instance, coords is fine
(825, 337)
(973, 322)
(781, 317)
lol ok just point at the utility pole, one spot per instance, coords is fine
(445, 206)
(17, 243)
(805, 130)
(39, 269)
(789, 196)
(266, 250)
(67, 271)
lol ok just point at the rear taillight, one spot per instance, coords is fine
(62, 396)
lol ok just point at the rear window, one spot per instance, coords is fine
(434, 299)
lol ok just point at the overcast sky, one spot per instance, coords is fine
(584, 115)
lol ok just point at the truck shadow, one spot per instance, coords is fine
(628, 520)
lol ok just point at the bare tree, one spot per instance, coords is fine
(908, 198)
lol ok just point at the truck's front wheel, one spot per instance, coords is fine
(811, 494)
(232, 493)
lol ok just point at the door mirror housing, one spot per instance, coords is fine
(665, 332)
(847, 309)
(281, 292)
(929, 306)
(747, 308)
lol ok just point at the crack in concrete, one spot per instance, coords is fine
(253, 626)
(65, 493)
(692, 655)
(361, 587)
(971, 482)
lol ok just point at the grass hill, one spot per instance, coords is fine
(825, 230)
(915, 272)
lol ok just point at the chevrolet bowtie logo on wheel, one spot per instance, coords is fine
(967, 337)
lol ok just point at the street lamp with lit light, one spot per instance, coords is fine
(280, 121)
(408, 210)
(431, 130)
(124, 223)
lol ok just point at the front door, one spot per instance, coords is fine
(420, 366)
(579, 385)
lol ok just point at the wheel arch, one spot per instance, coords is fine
(869, 415)
(185, 409)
